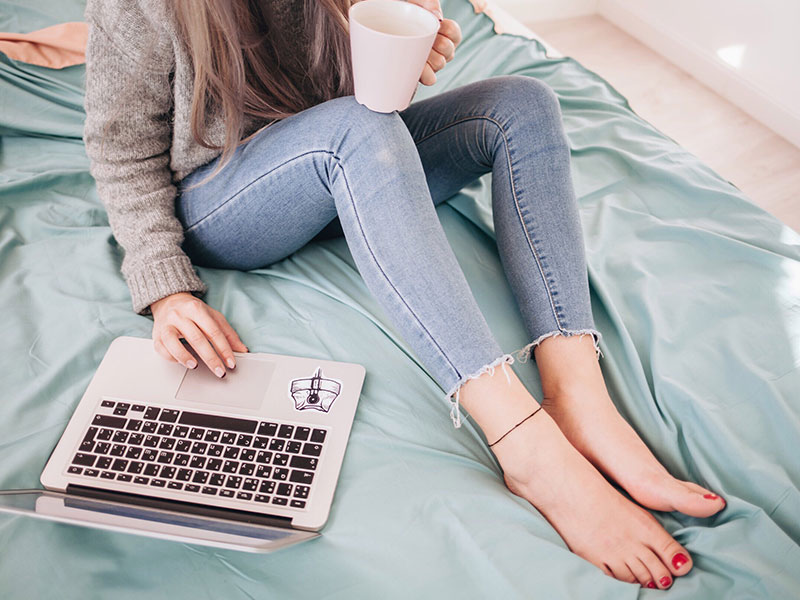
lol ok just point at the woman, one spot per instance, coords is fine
(224, 133)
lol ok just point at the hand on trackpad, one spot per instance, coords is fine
(243, 387)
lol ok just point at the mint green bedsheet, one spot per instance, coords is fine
(695, 289)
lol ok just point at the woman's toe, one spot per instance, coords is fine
(691, 499)
(659, 574)
(640, 571)
(674, 556)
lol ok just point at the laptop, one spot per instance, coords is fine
(248, 462)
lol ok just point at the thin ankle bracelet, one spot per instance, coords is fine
(515, 426)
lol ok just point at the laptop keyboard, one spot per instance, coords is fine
(261, 462)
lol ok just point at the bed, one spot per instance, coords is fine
(695, 290)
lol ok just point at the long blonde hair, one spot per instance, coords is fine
(243, 63)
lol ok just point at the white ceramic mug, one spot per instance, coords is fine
(390, 40)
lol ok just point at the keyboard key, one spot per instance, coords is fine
(158, 482)
(181, 460)
(318, 436)
(112, 422)
(303, 462)
(285, 489)
(196, 433)
(125, 405)
(107, 404)
(301, 491)
(183, 474)
(121, 410)
(276, 444)
(216, 449)
(234, 481)
(261, 498)
(91, 472)
(151, 414)
(246, 468)
(124, 477)
(135, 467)
(263, 471)
(217, 479)
(134, 425)
(281, 474)
(141, 480)
(211, 491)
(285, 431)
(297, 504)
(86, 446)
(199, 448)
(75, 470)
(198, 462)
(174, 485)
(312, 449)
(117, 450)
(165, 429)
(260, 442)
(218, 422)
(119, 465)
(167, 443)
(250, 484)
(244, 440)
(200, 477)
(280, 459)
(294, 447)
(268, 429)
(279, 500)
(168, 415)
(228, 438)
(301, 433)
(232, 452)
(103, 462)
(214, 464)
(181, 431)
(151, 441)
(107, 475)
(264, 457)
(212, 436)
(137, 408)
(121, 437)
(149, 427)
(102, 448)
(151, 469)
(104, 434)
(304, 477)
(230, 466)
(165, 457)
(243, 495)
(90, 433)
(149, 454)
(190, 487)
(167, 472)
(183, 446)
(226, 493)
(136, 439)
(133, 452)
(248, 454)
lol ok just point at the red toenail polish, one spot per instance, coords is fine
(651, 585)
(679, 560)
(665, 581)
(710, 496)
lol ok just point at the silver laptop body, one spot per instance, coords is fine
(248, 462)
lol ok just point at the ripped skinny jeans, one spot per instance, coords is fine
(377, 178)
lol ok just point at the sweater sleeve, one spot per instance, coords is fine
(128, 135)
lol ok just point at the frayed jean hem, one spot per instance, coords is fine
(527, 352)
(453, 394)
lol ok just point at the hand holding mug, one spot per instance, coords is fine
(444, 46)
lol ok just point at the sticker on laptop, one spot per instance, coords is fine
(314, 393)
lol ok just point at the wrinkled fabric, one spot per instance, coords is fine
(695, 290)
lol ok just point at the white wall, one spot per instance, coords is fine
(545, 10)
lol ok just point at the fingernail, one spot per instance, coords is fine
(679, 560)
(665, 581)
(651, 585)
(219, 371)
(191, 363)
(231, 364)
(710, 496)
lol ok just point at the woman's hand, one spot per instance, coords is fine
(183, 315)
(444, 46)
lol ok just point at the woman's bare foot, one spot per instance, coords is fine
(580, 405)
(541, 466)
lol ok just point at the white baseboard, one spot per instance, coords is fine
(528, 11)
(707, 68)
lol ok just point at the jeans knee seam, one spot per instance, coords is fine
(383, 273)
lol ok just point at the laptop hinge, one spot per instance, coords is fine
(179, 506)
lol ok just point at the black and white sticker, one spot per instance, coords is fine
(314, 393)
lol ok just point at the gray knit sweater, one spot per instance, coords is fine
(139, 82)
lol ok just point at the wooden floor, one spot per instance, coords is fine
(763, 165)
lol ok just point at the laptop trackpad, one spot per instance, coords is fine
(243, 387)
